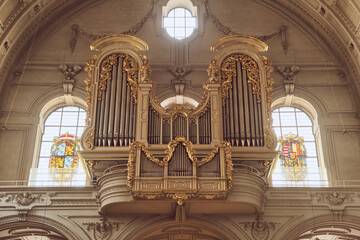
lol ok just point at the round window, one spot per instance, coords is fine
(179, 23)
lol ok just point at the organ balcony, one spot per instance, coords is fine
(145, 158)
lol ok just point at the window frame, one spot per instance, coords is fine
(306, 107)
(47, 109)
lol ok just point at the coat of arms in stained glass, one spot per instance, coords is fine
(64, 152)
(293, 157)
(293, 152)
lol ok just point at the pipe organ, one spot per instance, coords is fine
(242, 105)
(116, 101)
(180, 152)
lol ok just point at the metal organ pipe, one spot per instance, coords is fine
(122, 110)
(242, 113)
(112, 108)
(119, 80)
(115, 111)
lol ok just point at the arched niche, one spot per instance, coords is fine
(14, 225)
(160, 228)
(324, 225)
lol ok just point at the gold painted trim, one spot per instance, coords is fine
(235, 40)
(169, 153)
(89, 83)
(228, 71)
(126, 39)
(181, 197)
(130, 66)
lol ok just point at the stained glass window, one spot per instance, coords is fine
(298, 160)
(59, 163)
(59, 122)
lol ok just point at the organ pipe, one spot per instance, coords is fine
(116, 111)
(242, 112)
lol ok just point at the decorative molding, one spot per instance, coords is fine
(335, 199)
(10, 19)
(228, 71)
(227, 31)
(102, 230)
(288, 72)
(25, 200)
(260, 229)
(179, 81)
(132, 31)
(130, 66)
(69, 72)
(213, 70)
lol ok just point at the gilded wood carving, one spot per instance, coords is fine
(228, 71)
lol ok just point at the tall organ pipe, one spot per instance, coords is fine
(112, 108)
(119, 80)
(122, 110)
(242, 113)
(115, 111)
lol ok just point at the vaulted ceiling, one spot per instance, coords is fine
(335, 24)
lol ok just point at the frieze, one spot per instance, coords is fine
(25, 200)
(335, 199)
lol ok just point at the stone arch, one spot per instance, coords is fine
(326, 220)
(161, 226)
(38, 222)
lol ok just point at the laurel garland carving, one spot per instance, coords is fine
(228, 71)
(132, 31)
(130, 66)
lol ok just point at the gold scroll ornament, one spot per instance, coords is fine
(228, 71)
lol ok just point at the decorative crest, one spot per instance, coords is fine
(64, 152)
(293, 152)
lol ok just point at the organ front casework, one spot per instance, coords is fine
(140, 153)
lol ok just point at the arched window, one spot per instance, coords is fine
(179, 23)
(57, 162)
(179, 18)
(298, 163)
